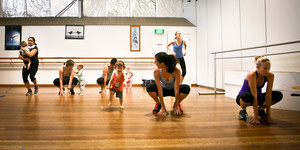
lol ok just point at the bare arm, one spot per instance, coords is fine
(21, 57)
(177, 75)
(159, 88)
(251, 77)
(60, 72)
(71, 79)
(270, 80)
(171, 43)
(105, 71)
(185, 47)
(31, 53)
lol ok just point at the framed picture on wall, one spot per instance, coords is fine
(13, 37)
(74, 32)
(135, 38)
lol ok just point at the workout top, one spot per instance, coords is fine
(246, 88)
(178, 49)
(167, 84)
(66, 76)
(128, 75)
(117, 83)
(109, 74)
(34, 59)
(80, 77)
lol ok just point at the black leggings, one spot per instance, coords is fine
(31, 72)
(248, 98)
(183, 88)
(65, 82)
(182, 65)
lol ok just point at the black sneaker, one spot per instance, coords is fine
(59, 91)
(262, 114)
(36, 89)
(29, 92)
(72, 91)
(156, 108)
(243, 115)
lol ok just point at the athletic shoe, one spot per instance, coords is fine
(156, 108)
(72, 91)
(59, 91)
(29, 93)
(36, 89)
(262, 114)
(243, 115)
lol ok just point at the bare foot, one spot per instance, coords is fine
(122, 107)
(109, 104)
(80, 94)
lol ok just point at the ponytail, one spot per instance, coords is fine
(169, 61)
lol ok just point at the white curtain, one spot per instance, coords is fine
(92, 8)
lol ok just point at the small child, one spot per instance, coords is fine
(128, 75)
(27, 61)
(81, 80)
(116, 83)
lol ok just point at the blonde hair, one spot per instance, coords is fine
(261, 59)
(80, 65)
(120, 63)
(23, 44)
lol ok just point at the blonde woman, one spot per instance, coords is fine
(251, 92)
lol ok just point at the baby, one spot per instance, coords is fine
(81, 80)
(128, 76)
(27, 61)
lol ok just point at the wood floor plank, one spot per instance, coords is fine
(53, 122)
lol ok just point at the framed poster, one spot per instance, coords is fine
(74, 32)
(135, 38)
(13, 37)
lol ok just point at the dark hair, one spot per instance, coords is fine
(69, 63)
(113, 61)
(169, 61)
(33, 40)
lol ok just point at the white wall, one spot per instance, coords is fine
(189, 11)
(99, 41)
(231, 24)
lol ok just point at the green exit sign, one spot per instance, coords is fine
(159, 31)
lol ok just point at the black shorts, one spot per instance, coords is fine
(118, 93)
(248, 98)
(183, 88)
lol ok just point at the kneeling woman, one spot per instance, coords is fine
(167, 79)
(66, 77)
(251, 92)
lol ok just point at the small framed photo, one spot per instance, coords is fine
(13, 37)
(74, 32)
(135, 38)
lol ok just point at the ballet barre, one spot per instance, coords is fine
(244, 49)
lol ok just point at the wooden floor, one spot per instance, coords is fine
(48, 121)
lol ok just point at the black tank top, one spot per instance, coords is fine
(34, 59)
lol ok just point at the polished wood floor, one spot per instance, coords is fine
(52, 122)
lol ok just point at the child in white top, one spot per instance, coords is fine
(81, 80)
(26, 58)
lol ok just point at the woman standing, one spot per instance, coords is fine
(167, 78)
(31, 72)
(178, 44)
(251, 92)
(66, 77)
